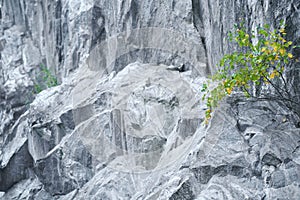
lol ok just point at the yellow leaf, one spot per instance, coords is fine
(290, 55)
(282, 51)
(272, 75)
(228, 90)
(263, 49)
(275, 49)
(282, 30)
(266, 43)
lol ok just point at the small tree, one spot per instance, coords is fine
(262, 60)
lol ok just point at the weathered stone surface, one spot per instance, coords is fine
(27, 189)
(215, 19)
(16, 169)
(125, 121)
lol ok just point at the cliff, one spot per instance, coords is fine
(124, 120)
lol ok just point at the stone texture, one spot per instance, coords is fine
(125, 120)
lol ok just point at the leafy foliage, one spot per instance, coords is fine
(48, 80)
(262, 59)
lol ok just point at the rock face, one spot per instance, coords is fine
(125, 120)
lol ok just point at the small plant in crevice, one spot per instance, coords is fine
(45, 80)
(261, 61)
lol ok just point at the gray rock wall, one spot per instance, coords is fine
(215, 19)
(125, 120)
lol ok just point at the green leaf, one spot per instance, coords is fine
(267, 26)
(204, 87)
